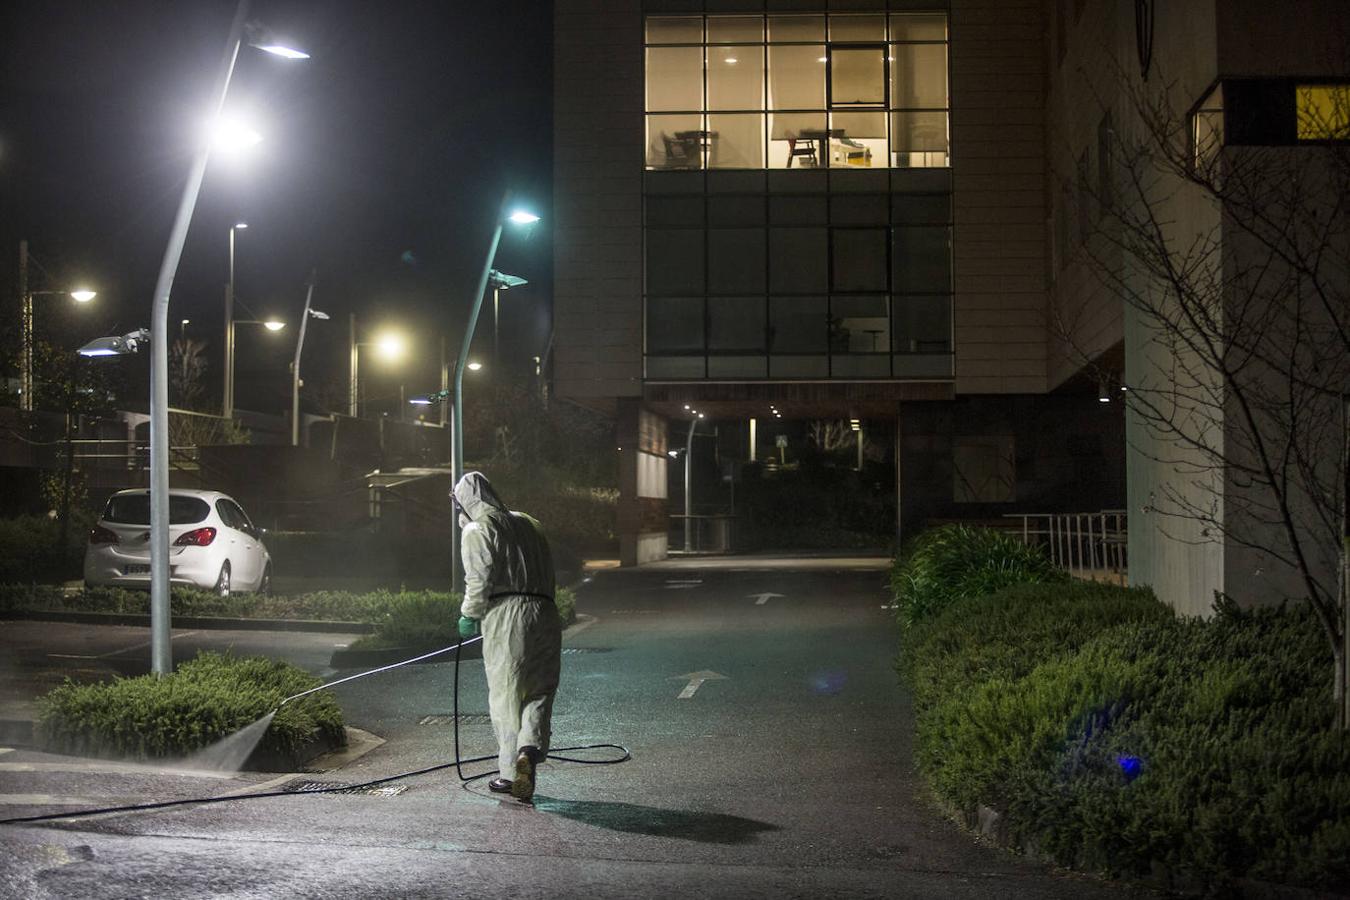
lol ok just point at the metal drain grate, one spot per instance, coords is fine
(342, 787)
(464, 719)
(573, 650)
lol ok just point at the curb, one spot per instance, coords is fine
(202, 622)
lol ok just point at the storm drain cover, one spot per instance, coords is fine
(572, 650)
(464, 719)
(342, 787)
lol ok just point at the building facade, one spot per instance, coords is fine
(868, 209)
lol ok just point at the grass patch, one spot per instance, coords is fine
(206, 699)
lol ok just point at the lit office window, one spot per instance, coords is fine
(1323, 112)
(797, 91)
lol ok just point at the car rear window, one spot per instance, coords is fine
(134, 509)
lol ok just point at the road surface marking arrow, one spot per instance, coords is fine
(695, 680)
(761, 599)
(677, 584)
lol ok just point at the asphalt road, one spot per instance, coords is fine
(771, 758)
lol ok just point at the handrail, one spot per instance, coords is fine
(1085, 544)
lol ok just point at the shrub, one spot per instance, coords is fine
(29, 548)
(206, 699)
(957, 561)
(1119, 738)
(429, 621)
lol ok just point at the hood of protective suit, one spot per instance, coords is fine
(476, 497)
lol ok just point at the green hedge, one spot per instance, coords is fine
(1118, 738)
(429, 621)
(956, 561)
(203, 701)
(30, 548)
(328, 606)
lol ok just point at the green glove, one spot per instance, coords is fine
(467, 627)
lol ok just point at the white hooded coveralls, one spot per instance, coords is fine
(508, 587)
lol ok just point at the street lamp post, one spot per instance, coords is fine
(26, 388)
(390, 344)
(273, 325)
(228, 400)
(519, 217)
(295, 365)
(161, 656)
(500, 281)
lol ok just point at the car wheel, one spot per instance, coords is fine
(265, 586)
(222, 587)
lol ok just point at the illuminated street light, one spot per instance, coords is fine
(274, 324)
(474, 366)
(231, 135)
(390, 345)
(81, 295)
(161, 656)
(518, 217)
(116, 345)
(261, 38)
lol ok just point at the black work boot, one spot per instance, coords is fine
(526, 760)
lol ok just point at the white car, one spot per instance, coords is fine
(212, 544)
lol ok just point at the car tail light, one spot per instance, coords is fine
(100, 535)
(198, 537)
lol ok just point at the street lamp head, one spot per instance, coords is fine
(274, 324)
(240, 226)
(474, 366)
(318, 314)
(261, 38)
(503, 281)
(83, 296)
(116, 346)
(231, 135)
(522, 217)
(391, 346)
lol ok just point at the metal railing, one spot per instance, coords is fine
(1089, 545)
(129, 454)
(706, 533)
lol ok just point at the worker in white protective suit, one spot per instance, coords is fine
(508, 588)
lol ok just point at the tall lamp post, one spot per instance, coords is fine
(227, 410)
(504, 215)
(26, 388)
(391, 346)
(500, 281)
(161, 655)
(305, 316)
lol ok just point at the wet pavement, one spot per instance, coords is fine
(771, 748)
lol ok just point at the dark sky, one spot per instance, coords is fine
(383, 161)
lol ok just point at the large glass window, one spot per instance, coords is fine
(797, 91)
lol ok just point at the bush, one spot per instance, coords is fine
(29, 548)
(1118, 738)
(429, 621)
(957, 561)
(209, 698)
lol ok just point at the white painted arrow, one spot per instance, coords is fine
(682, 584)
(695, 680)
(761, 599)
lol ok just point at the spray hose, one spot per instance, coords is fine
(457, 765)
